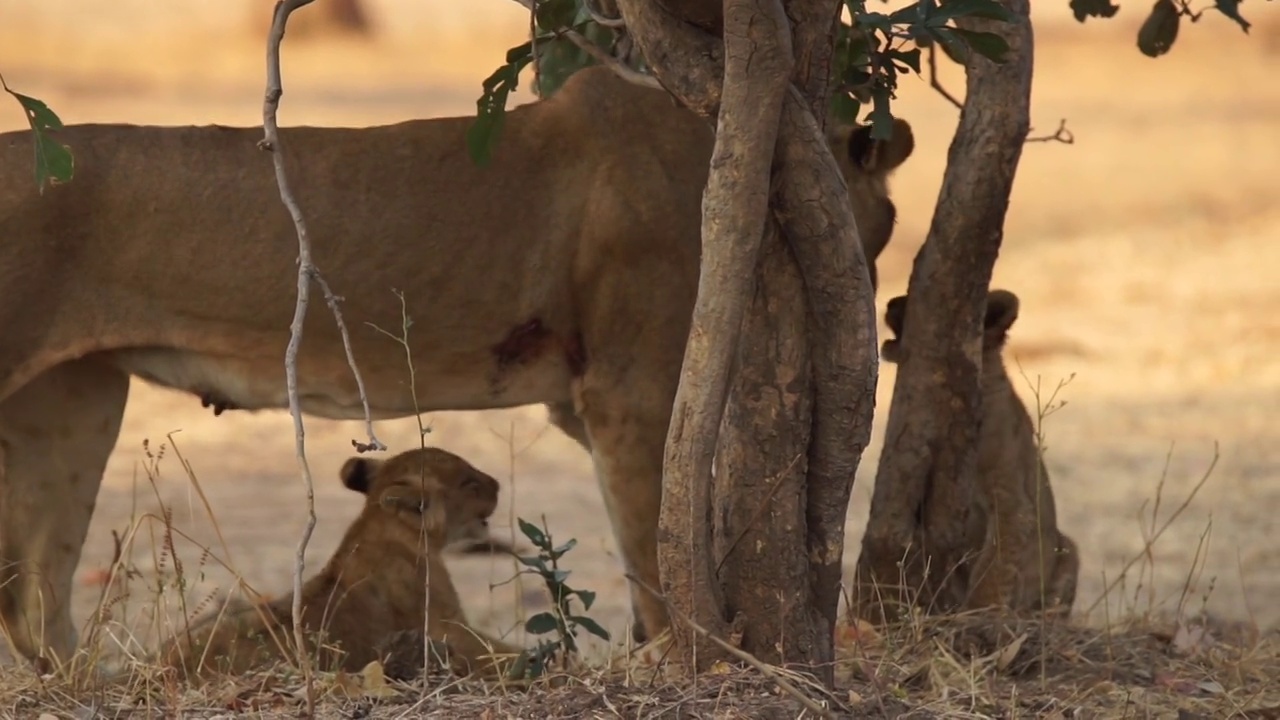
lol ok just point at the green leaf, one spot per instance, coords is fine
(534, 534)
(1231, 8)
(541, 624)
(591, 626)
(491, 110)
(553, 15)
(909, 57)
(880, 117)
(560, 551)
(1160, 29)
(845, 107)
(952, 44)
(910, 13)
(534, 562)
(54, 162)
(1085, 9)
(587, 597)
(989, 45)
(986, 9)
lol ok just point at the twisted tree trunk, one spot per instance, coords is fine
(798, 411)
(920, 532)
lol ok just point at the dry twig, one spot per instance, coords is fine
(306, 273)
(620, 68)
(1062, 134)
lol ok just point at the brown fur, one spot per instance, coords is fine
(376, 583)
(1023, 559)
(563, 273)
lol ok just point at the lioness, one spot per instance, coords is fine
(1025, 562)
(376, 584)
(563, 272)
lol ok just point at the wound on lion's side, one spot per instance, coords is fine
(530, 339)
(523, 343)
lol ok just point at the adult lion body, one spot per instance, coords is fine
(375, 585)
(563, 273)
(1021, 559)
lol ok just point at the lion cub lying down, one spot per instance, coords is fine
(376, 582)
(1022, 548)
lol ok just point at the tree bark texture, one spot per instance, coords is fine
(734, 211)
(799, 413)
(920, 508)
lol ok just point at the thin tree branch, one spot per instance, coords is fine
(620, 68)
(1062, 135)
(271, 143)
(615, 23)
(306, 274)
(624, 71)
(935, 83)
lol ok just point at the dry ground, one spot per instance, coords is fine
(1145, 255)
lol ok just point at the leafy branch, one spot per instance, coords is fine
(1159, 31)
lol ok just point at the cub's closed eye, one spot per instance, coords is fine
(408, 504)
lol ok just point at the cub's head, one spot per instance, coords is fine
(1001, 312)
(427, 489)
(866, 164)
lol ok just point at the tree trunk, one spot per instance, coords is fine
(799, 411)
(920, 508)
(734, 210)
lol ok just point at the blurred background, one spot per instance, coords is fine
(1146, 255)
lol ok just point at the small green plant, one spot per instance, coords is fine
(560, 623)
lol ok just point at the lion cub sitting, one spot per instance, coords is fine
(1022, 548)
(376, 583)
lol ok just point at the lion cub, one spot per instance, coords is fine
(1022, 547)
(376, 582)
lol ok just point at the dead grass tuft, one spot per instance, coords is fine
(976, 665)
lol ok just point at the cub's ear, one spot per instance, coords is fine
(1002, 311)
(895, 314)
(881, 156)
(357, 473)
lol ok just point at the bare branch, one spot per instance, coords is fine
(620, 68)
(935, 83)
(271, 143)
(306, 274)
(617, 65)
(616, 23)
(332, 301)
(1062, 135)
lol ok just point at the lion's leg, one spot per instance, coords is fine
(627, 433)
(56, 434)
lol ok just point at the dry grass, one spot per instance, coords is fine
(975, 665)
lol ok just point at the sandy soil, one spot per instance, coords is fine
(1145, 254)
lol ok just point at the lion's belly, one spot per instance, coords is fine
(329, 390)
